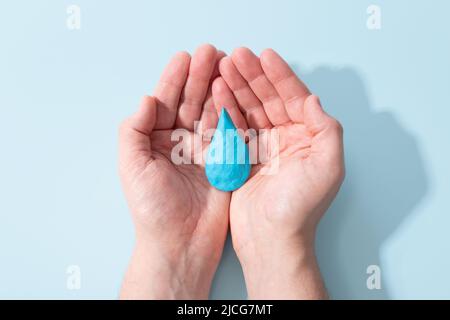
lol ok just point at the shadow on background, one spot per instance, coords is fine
(385, 180)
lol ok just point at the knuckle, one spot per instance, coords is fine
(337, 126)
(219, 85)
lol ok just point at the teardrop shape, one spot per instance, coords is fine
(228, 161)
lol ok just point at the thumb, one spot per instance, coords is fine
(134, 133)
(327, 132)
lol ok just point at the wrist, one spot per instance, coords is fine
(283, 270)
(160, 273)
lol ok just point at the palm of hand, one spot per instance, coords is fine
(178, 196)
(266, 198)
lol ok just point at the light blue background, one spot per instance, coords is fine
(63, 94)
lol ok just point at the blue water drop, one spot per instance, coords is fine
(228, 161)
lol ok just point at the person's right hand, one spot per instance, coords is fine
(273, 217)
(180, 220)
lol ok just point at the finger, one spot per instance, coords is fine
(290, 88)
(327, 140)
(220, 55)
(134, 134)
(169, 89)
(208, 118)
(248, 64)
(196, 87)
(249, 104)
(223, 98)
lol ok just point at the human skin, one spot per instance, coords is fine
(273, 217)
(180, 220)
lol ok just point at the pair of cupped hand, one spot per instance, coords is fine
(181, 221)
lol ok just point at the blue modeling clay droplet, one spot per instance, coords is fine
(228, 161)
